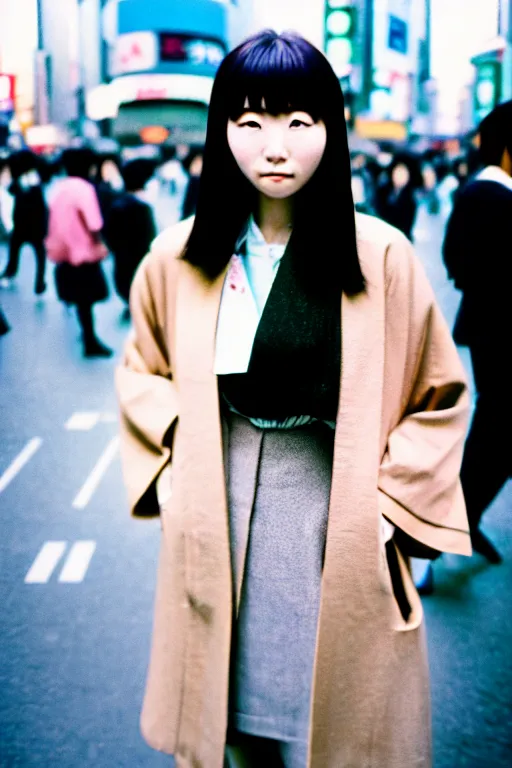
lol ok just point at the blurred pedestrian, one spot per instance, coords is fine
(131, 226)
(193, 165)
(363, 187)
(6, 201)
(464, 168)
(4, 325)
(75, 245)
(287, 623)
(109, 182)
(477, 259)
(30, 217)
(395, 199)
(172, 173)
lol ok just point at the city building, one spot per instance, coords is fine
(161, 61)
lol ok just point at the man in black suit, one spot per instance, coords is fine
(130, 226)
(477, 257)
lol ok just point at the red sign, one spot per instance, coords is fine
(7, 92)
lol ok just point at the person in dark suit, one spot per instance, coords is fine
(395, 199)
(30, 216)
(130, 227)
(477, 259)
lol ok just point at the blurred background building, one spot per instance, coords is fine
(117, 68)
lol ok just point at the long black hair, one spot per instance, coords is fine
(285, 73)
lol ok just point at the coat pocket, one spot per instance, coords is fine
(407, 607)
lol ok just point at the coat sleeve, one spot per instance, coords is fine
(146, 392)
(419, 486)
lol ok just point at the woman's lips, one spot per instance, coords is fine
(277, 176)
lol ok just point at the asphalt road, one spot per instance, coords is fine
(77, 574)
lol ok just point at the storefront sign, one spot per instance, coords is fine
(191, 49)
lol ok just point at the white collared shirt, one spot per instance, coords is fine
(495, 173)
(246, 289)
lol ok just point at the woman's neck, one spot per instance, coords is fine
(274, 218)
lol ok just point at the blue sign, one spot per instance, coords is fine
(191, 34)
(398, 34)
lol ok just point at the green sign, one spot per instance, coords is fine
(487, 88)
(339, 33)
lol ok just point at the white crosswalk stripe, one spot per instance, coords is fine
(19, 462)
(87, 491)
(82, 421)
(45, 562)
(75, 565)
(77, 562)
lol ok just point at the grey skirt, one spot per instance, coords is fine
(278, 495)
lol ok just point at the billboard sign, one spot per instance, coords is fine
(135, 52)
(190, 49)
(398, 34)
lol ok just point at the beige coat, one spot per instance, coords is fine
(399, 439)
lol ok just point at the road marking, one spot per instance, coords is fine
(82, 421)
(46, 562)
(108, 417)
(87, 490)
(19, 462)
(77, 562)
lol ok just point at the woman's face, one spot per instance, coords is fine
(278, 155)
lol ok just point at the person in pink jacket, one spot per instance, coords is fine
(75, 245)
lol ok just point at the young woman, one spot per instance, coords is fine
(293, 389)
(75, 245)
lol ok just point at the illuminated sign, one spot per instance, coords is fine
(339, 33)
(190, 49)
(135, 52)
(154, 134)
(7, 92)
(398, 34)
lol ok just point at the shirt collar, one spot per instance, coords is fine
(497, 174)
(251, 241)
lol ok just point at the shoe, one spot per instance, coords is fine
(97, 349)
(485, 547)
(40, 288)
(426, 585)
(125, 315)
(5, 282)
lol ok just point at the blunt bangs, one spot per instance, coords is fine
(284, 73)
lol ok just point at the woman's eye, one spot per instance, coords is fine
(250, 124)
(296, 123)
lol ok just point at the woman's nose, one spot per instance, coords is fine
(275, 148)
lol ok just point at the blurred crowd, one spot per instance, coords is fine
(79, 206)
(82, 204)
(392, 183)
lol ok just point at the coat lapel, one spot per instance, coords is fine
(208, 598)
